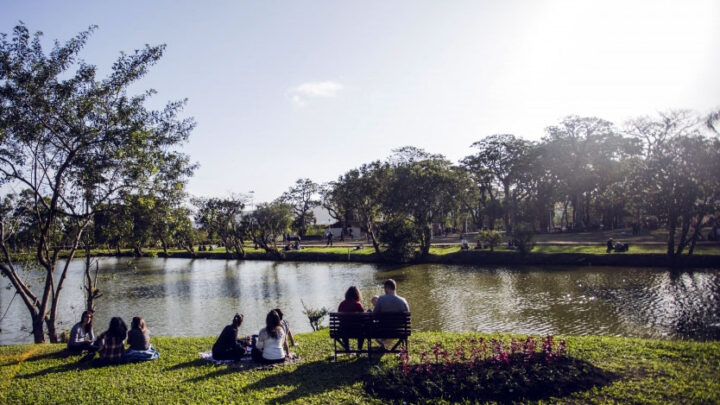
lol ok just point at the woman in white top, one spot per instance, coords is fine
(271, 346)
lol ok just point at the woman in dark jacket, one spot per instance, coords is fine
(352, 303)
(227, 346)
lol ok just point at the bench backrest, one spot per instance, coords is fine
(391, 325)
(367, 324)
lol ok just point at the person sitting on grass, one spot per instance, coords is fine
(81, 335)
(286, 327)
(139, 341)
(113, 346)
(227, 346)
(352, 303)
(271, 346)
(621, 247)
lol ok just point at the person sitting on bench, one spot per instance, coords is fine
(390, 302)
(352, 303)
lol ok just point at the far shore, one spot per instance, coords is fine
(578, 255)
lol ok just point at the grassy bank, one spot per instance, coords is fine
(650, 371)
(576, 255)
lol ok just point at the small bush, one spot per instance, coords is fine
(400, 236)
(490, 238)
(487, 371)
(523, 235)
(315, 316)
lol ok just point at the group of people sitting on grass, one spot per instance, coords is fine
(616, 246)
(269, 346)
(111, 344)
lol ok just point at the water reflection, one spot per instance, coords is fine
(197, 297)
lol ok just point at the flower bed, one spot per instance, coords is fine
(478, 369)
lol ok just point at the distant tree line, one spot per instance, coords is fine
(83, 165)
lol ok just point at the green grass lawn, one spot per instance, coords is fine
(651, 371)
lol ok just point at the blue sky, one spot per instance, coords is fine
(283, 90)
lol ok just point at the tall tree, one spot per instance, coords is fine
(362, 191)
(578, 149)
(224, 218)
(504, 158)
(76, 142)
(421, 188)
(303, 199)
(267, 224)
(679, 178)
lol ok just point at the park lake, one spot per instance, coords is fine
(182, 297)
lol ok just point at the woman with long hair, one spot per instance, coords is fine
(113, 347)
(139, 335)
(139, 341)
(352, 303)
(227, 346)
(271, 346)
(286, 326)
(82, 336)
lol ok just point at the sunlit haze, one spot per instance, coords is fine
(283, 90)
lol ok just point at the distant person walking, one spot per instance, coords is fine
(329, 237)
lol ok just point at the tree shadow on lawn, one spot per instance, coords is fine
(85, 363)
(308, 378)
(189, 364)
(62, 354)
(315, 378)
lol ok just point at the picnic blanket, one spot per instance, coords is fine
(246, 362)
(208, 356)
(131, 356)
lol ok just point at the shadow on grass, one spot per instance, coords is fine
(85, 363)
(62, 354)
(191, 363)
(315, 378)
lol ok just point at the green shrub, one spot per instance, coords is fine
(400, 237)
(523, 235)
(490, 238)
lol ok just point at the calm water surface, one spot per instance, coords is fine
(184, 297)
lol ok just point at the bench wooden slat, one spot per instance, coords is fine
(369, 326)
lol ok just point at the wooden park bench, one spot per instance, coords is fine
(346, 326)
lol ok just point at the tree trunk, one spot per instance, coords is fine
(163, 242)
(587, 210)
(683, 235)
(672, 225)
(506, 209)
(426, 240)
(239, 250)
(37, 330)
(696, 233)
